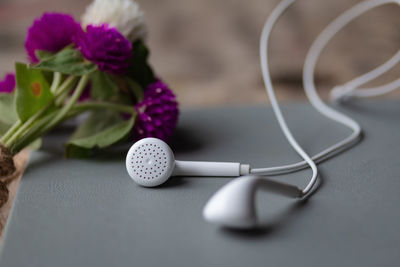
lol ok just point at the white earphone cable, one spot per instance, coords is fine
(282, 6)
(312, 57)
(308, 77)
(352, 88)
(376, 91)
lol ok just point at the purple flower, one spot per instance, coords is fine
(7, 85)
(51, 32)
(157, 114)
(106, 47)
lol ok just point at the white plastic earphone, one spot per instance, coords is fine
(233, 205)
(150, 162)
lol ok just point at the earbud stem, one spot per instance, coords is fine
(211, 169)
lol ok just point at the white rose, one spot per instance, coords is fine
(125, 15)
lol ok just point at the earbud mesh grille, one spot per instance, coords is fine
(149, 162)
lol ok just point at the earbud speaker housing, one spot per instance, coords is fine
(150, 162)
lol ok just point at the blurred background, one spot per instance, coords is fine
(208, 50)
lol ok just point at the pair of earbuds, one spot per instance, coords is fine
(150, 162)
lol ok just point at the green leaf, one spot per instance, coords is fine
(140, 70)
(103, 86)
(67, 61)
(8, 115)
(100, 130)
(136, 89)
(32, 93)
(43, 54)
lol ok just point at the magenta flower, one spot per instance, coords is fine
(157, 114)
(51, 32)
(106, 47)
(7, 85)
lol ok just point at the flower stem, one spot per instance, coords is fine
(27, 124)
(60, 100)
(33, 133)
(45, 119)
(48, 121)
(10, 131)
(56, 82)
(38, 129)
(64, 110)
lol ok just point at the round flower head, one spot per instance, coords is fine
(7, 85)
(106, 47)
(125, 15)
(51, 32)
(157, 114)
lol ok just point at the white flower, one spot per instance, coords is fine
(125, 15)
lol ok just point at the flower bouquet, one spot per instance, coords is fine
(100, 67)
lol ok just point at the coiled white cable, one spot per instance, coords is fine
(311, 59)
(308, 79)
(352, 88)
(277, 12)
(376, 91)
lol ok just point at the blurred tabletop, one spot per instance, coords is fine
(207, 51)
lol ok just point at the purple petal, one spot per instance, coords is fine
(157, 113)
(7, 85)
(106, 47)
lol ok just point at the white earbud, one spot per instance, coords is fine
(150, 162)
(233, 204)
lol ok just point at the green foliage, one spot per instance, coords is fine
(103, 86)
(101, 129)
(8, 115)
(140, 70)
(32, 92)
(43, 54)
(35, 108)
(67, 61)
(136, 89)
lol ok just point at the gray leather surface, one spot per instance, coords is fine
(89, 212)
